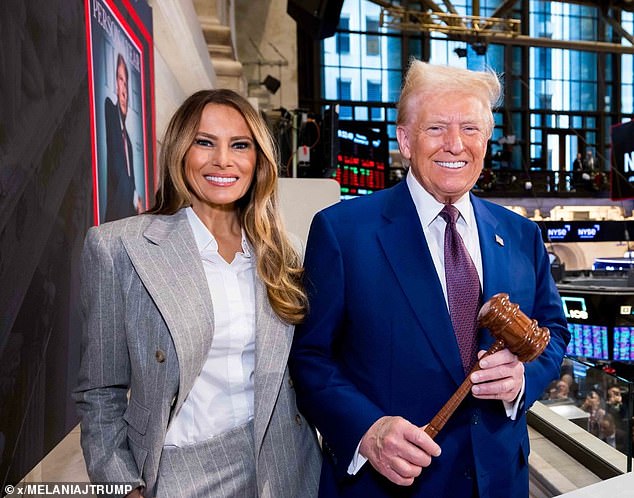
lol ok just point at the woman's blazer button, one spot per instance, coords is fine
(160, 356)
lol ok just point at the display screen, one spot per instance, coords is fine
(623, 344)
(612, 264)
(588, 341)
(363, 157)
(586, 308)
(585, 231)
(601, 323)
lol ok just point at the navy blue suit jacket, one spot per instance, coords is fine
(120, 190)
(378, 341)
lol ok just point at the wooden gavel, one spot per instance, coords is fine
(513, 330)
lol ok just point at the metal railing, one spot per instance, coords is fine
(508, 182)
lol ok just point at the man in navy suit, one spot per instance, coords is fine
(122, 197)
(377, 357)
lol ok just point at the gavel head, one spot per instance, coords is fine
(521, 335)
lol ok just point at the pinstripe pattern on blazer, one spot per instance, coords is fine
(148, 325)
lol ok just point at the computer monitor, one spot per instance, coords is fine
(588, 341)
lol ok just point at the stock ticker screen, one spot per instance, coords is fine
(623, 344)
(601, 325)
(588, 341)
(363, 157)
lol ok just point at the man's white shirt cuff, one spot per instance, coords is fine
(513, 408)
(358, 461)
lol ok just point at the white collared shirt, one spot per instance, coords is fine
(433, 225)
(135, 197)
(222, 395)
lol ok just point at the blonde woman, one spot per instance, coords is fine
(189, 314)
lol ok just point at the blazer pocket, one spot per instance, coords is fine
(137, 416)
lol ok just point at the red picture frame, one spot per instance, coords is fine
(122, 124)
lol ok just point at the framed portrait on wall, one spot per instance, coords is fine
(121, 91)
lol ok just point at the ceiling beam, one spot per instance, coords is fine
(475, 8)
(450, 24)
(431, 5)
(450, 7)
(504, 8)
(584, 46)
(434, 7)
(617, 27)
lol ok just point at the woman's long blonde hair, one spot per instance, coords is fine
(278, 264)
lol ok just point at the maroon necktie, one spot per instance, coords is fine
(125, 149)
(463, 288)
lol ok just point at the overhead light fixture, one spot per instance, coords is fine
(460, 51)
(271, 84)
(479, 47)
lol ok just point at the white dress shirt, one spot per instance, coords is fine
(136, 197)
(433, 225)
(222, 395)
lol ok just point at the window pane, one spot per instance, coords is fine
(372, 41)
(344, 92)
(374, 95)
(343, 38)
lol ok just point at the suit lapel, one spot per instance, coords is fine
(272, 345)
(168, 263)
(407, 252)
(494, 248)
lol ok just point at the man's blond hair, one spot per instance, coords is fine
(427, 79)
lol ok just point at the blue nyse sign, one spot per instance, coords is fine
(586, 231)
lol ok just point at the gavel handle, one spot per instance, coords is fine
(440, 419)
